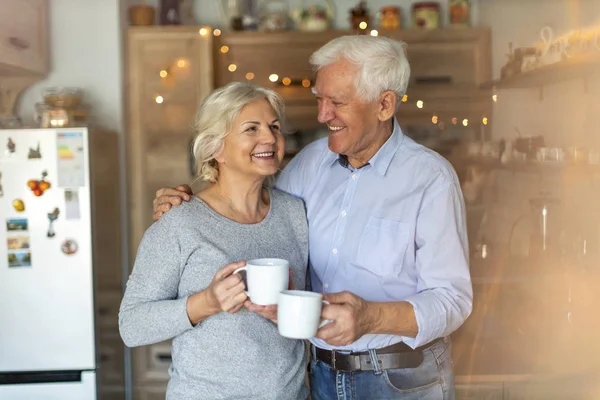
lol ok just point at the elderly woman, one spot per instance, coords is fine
(182, 286)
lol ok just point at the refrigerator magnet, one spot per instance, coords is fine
(34, 153)
(18, 205)
(21, 258)
(72, 204)
(38, 187)
(69, 247)
(11, 147)
(17, 225)
(1, 189)
(53, 216)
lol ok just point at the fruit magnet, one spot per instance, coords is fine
(18, 205)
(39, 187)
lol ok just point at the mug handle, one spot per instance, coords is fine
(325, 321)
(238, 271)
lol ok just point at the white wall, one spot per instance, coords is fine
(85, 52)
(566, 115)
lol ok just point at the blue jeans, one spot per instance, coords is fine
(432, 380)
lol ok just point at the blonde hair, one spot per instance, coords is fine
(215, 118)
(381, 61)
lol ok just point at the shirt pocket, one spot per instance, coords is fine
(382, 246)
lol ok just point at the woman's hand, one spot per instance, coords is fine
(167, 197)
(268, 312)
(225, 293)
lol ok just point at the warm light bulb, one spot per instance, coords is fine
(159, 99)
(232, 67)
(203, 31)
(250, 76)
(495, 98)
(163, 73)
(420, 103)
(454, 120)
(306, 83)
(465, 122)
(273, 77)
(362, 25)
(434, 119)
(374, 32)
(484, 120)
(286, 81)
(224, 49)
(181, 63)
(217, 32)
(405, 98)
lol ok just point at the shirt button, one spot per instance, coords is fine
(334, 251)
(343, 213)
(326, 285)
(354, 176)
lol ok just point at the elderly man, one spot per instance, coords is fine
(387, 233)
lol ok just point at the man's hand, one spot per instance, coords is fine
(166, 197)
(352, 318)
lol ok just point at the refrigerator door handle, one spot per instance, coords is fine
(21, 378)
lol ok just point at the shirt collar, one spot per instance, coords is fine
(381, 160)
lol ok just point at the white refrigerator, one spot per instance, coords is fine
(47, 329)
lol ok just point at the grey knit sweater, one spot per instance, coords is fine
(226, 356)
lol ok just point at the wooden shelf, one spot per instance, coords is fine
(532, 167)
(569, 69)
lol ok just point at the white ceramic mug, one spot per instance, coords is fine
(299, 314)
(265, 278)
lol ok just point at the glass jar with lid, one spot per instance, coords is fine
(426, 15)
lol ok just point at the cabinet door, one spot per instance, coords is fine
(23, 37)
(170, 73)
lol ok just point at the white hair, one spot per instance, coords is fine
(214, 121)
(381, 61)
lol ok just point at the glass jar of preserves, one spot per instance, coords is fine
(459, 12)
(390, 18)
(426, 15)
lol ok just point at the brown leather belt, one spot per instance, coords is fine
(398, 355)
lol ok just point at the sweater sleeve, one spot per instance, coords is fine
(150, 311)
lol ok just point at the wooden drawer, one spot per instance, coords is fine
(111, 368)
(23, 37)
(150, 393)
(107, 315)
(151, 363)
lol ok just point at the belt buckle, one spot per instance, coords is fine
(333, 359)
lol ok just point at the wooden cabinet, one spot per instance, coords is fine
(23, 49)
(23, 37)
(169, 72)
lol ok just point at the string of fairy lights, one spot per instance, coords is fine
(169, 73)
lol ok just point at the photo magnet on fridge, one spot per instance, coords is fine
(34, 153)
(18, 242)
(19, 259)
(18, 205)
(53, 216)
(17, 224)
(38, 187)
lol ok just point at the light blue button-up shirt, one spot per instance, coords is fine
(392, 230)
